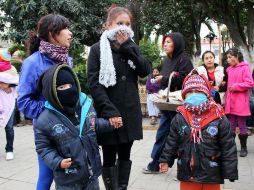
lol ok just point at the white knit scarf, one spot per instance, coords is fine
(107, 75)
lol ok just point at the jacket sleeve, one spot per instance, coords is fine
(44, 146)
(228, 151)
(247, 83)
(223, 88)
(29, 101)
(185, 67)
(103, 126)
(169, 152)
(98, 92)
(143, 66)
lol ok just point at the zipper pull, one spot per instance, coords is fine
(76, 116)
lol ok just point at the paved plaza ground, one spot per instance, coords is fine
(21, 173)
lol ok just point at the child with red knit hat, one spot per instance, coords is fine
(8, 81)
(201, 139)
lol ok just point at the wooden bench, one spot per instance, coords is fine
(143, 96)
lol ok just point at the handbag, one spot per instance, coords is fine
(166, 100)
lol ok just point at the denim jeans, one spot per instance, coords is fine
(93, 185)
(250, 120)
(9, 131)
(161, 137)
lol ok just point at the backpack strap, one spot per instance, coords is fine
(86, 104)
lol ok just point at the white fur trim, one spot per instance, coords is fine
(107, 76)
(201, 70)
(218, 73)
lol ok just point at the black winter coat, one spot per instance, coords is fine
(56, 138)
(215, 159)
(183, 67)
(122, 99)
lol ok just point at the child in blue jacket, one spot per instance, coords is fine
(65, 135)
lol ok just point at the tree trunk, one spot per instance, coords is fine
(198, 46)
(189, 43)
(250, 27)
(197, 40)
(134, 7)
(234, 31)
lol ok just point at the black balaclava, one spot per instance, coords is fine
(69, 97)
(65, 101)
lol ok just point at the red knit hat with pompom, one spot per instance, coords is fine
(194, 81)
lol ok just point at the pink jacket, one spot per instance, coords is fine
(237, 101)
(7, 101)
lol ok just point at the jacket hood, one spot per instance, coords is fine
(241, 64)
(179, 44)
(47, 84)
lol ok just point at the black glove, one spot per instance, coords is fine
(231, 180)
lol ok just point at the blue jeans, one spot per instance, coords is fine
(161, 137)
(45, 176)
(93, 185)
(250, 120)
(9, 131)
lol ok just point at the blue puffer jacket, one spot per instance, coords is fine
(56, 138)
(30, 101)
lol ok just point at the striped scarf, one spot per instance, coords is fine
(197, 112)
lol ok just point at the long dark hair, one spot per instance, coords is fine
(236, 53)
(52, 23)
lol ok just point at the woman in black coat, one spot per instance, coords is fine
(114, 65)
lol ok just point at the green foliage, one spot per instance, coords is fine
(79, 63)
(22, 55)
(82, 76)
(17, 65)
(175, 16)
(77, 55)
(16, 47)
(86, 17)
(151, 51)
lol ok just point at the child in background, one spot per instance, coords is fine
(237, 105)
(201, 138)
(8, 81)
(152, 87)
(65, 135)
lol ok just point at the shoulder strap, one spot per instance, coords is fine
(86, 103)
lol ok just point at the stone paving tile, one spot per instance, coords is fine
(21, 173)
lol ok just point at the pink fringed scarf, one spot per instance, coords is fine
(201, 115)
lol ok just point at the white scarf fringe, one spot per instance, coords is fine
(107, 76)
